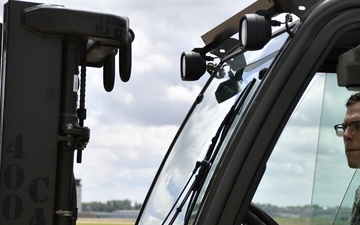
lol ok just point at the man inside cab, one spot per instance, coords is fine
(350, 131)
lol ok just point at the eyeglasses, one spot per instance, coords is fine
(353, 126)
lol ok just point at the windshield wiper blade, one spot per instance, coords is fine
(178, 210)
(202, 168)
(212, 152)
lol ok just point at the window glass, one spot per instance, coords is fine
(167, 202)
(332, 174)
(307, 174)
(344, 212)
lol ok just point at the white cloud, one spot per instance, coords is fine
(151, 63)
(120, 160)
(179, 93)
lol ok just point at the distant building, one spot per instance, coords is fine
(123, 214)
(78, 194)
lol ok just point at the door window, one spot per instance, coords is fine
(307, 174)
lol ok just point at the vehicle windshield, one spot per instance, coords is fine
(191, 145)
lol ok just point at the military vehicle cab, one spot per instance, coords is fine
(258, 145)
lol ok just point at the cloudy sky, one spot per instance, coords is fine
(132, 126)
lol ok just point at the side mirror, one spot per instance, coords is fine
(348, 70)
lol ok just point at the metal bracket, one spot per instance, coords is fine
(64, 213)
(105, 33)
(75, 136)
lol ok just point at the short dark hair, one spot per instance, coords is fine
(354, 98)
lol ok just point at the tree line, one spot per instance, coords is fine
(306, 211)
(110, 206)
(272, 210)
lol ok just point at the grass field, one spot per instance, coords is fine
(94, 221)
(306, 221)
(280, 221)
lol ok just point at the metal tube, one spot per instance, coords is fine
(68, 121)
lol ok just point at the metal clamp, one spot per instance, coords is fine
(63, 213)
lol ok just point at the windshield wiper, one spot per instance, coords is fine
(202, 168)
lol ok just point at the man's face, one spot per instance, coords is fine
(352, 141)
